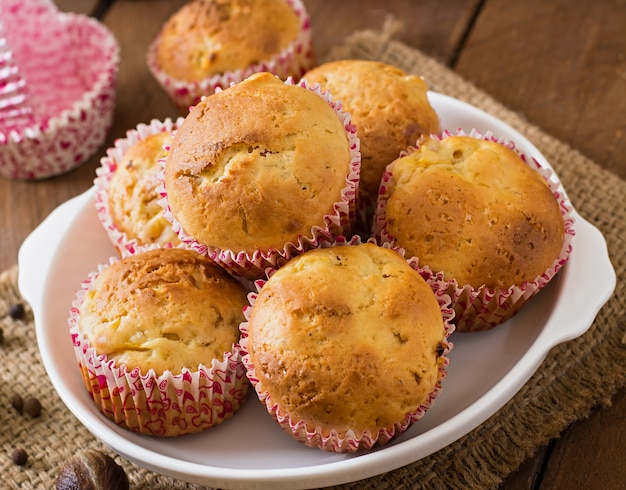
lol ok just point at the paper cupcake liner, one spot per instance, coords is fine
(351, 440)
(483, 308)
(16, 108)
(252, 266)
(294, 62)
(55, 117)
(108, 166)
(166, 405)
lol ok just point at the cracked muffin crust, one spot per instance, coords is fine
(346, 340)
(257, 166)
(474, 210)
(164, 309)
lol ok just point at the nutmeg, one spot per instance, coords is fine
(91, 470)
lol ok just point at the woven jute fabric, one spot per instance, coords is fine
(574, 378)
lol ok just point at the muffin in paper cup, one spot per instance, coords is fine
(59, 74)
(390, 109)
(126, 196)
(190, 83)
(494, 253)
(227, 228)
(346, 346)
(138, 391)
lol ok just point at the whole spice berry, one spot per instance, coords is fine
(17, 403)
(16, 311)
(91, 469)
(32, 406)
(19, 456)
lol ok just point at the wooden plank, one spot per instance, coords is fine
(561, 64)
(434, 27)
(139, 97)
(85, 7)
(590, 454)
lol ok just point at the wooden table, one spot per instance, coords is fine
(560, 63)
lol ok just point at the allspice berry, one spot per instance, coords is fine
(17, 403)
(91, 470)
(32, 406)
(19, 456)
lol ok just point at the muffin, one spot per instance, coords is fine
(126, 188)
(482, 216)
(213, 43)
(259, 172)
(346, 346)
(157, 341)
(389, 108)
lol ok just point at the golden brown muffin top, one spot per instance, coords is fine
(389, 108)
(163, 309)
(474, 210)
(206, 37)
(257, 165)
(132, 195)
(347, 337)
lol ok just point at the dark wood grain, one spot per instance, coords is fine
(530, 472)
(561, 64)
(86, 7)
(435, 27)
(590, 454)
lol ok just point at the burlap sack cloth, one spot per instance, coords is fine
(574, 378)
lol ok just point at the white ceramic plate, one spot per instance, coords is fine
(250, 450)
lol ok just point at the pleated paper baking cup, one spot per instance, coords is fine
(483, 308)
(351, 439)
(293, 62)
(58, 89)
(165, 405)
(252, 265)
(143, 222)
